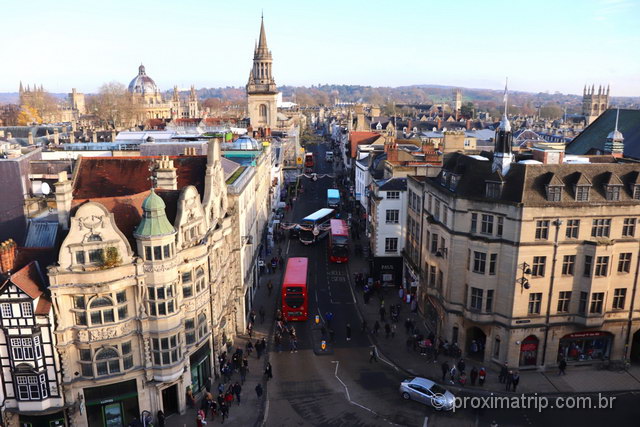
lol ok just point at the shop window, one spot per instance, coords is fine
(538, 266)
(568, 265)
(573, 228)
(624, 262)
(584, 346)
(166, 350)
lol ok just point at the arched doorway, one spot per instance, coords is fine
(529, 351)
(476, 341)
(634, 355)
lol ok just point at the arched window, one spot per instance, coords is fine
(107, 361)
(101, 311)
(200, 280)
(263, 110)
(94, 238)
(202, 326)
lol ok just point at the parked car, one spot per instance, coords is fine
(426, 391)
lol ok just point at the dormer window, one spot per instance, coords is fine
(612, 192)
(554, 193)
(582, 193)
(493, 190)
(453, 182)
(443, 178)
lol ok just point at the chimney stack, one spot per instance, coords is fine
(7, 256)
(166, 176)
(56, 136)
(63, 199)
(31, 140)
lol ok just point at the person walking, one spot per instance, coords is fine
(452, 374)
(482, 376)
(376, 328)
(237, 389)
(562, 366)
(224, 411)
(270, 287)
(445, 370)
(268, 371)
(348, 332)
(373, 354)
(243, 373)
(515, 380)
(473, 375)
(160, 418)
(461, 365)
(503, 374)
(509, 381)
(259, 390)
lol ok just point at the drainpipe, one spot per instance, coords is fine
(557, 223)
(631, 308)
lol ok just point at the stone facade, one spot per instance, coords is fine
(262, 93)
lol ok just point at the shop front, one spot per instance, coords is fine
(55, 419)
(529, 351)
(388, 270)
(113, 405)
(433, 315)
(200, 362)
(585, 346)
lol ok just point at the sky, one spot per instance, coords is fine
(541, 45)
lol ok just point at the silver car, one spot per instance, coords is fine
(427, 392)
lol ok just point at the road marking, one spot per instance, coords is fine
(288, 244)
(346, 389)
(426, 422)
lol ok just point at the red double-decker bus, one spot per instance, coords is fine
(308, 162)
(339, 241)
(294, 290)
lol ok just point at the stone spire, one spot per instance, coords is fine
(502, 150)
(260, 79)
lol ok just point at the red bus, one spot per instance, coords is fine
(294, 290)
(339, 241)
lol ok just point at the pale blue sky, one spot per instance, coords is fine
(542, 45)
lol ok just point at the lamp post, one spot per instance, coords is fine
(523, 281)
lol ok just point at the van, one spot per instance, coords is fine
(329, 156)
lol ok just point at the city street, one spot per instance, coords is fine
(340, 386)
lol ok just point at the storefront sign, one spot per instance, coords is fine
(587, 334)
(519, 322)
(532, 346)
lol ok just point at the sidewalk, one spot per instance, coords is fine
(577, 379)
(251, 411)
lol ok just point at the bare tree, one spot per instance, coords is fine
(114, 106)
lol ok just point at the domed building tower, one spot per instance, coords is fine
(147, 96)
(262, 93)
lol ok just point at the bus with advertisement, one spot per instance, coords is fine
(295, 303)
(333, 198)
(308, 162)
(315, 226)
(339, 241)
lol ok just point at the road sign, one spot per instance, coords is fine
(299, 160)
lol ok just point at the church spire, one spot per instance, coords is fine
(502, 150)
(262, 44)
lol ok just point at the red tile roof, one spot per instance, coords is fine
(29, 279)
(99, 177)
(361, 138)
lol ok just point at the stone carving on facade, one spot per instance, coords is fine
(91, 222)
(147, 351)
(159, 268)
(103, 333)
(83, 335)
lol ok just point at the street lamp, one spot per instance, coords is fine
(523, 281)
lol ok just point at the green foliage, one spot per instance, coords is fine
(110, 258)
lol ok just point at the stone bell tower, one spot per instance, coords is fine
(262, 93)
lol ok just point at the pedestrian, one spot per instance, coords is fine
(373, 355)
(452, 373)
(387, 330)
(268, 371)
(262, 314)
(376, 327)
(243, 373)
(461, 365)
(474, 375)
(509, 381)
(348, 332)
(160, 418)
(224, 410)
(263, 344)
(252, 317)
(270, 287)
(445, 370)
(200, 420)
(328, 317)
(258, 346)
(259, 390)
(515, 380)
(504, 371)
(482, 376)
(191, 401)
(393, 330)
(382, 313)
(407, 325)
(237, 389)
(250, 329)
(463, 378)
(562, 366)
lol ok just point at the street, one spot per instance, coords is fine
(340, 386)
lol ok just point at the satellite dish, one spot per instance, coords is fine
(45, 188)
(40, 188)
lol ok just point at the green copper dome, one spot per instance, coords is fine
(154, 219)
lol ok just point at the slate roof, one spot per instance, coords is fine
(525, 184)
(393, 184)
(41, 234)
(595, 135)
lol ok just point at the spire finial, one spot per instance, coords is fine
(617, 115)
(506, 94)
